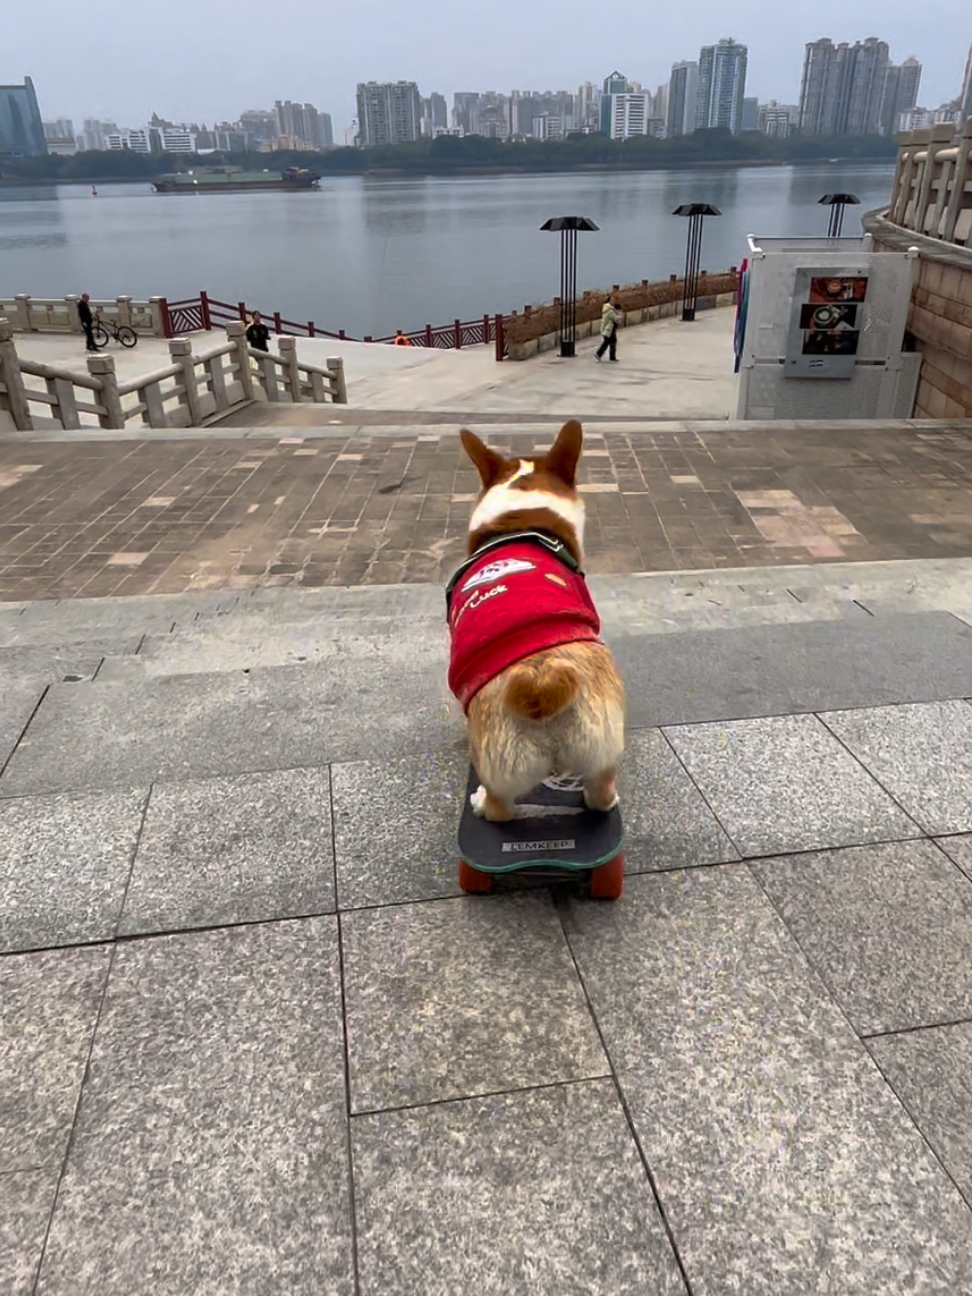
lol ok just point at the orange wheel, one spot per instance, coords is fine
(607, 882)
(474, 882)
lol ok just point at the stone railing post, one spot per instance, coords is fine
(14, 398)
(21, 319)
(287, 348)
(180, 349)
(941, 136)
(124, 305)
(236, 333)
(963, 174)
(102, 367)
(73, 318)
(155, 311)
(340, 386)
(216, 380)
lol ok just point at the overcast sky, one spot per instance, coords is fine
(200, 60)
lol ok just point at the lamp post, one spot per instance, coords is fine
(567, 227)
(695, 212)
(837, 203)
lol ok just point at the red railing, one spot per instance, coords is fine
(205, 312)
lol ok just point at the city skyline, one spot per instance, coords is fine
(325, 55)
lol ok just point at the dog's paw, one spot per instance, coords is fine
(478, 802)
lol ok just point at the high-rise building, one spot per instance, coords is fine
(871, 64)
(614, 84)
(435, 114)
(463, 106)
(302, 124)
(965, 97)
(900, 93)
(491, 116)
(21, 128)
(587, 106)
(818, 70)
(852, 90)
(777, 120)
(260, 125)
(683, 94)
(388, 113)
(60, 137)
(722, 86)
(750, 114)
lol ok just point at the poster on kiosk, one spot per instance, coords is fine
(826, 322)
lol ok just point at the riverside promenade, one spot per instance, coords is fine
(252, 1037)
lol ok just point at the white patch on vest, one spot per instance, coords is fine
(495, 571)
(501, 500)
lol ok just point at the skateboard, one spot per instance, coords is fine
(553, 835)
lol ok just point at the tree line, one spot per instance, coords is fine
(449, 153)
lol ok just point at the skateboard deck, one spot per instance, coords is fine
(553, 834)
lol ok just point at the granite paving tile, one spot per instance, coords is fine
(783, 1161)
(18, 702)
(210, 1150)
(203, 725)
(539, 1192)
(786, 784)
(395, 826)
(922, 753)
(458, 998)
(49, 1004)
(888, 927)
(65, 861)
(26, 1199)
(667, 823)
(248, 848)
(931, 1072)
(959, 851)
(754, 671)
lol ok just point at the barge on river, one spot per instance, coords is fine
(234, 180)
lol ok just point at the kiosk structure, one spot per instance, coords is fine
(820, 329)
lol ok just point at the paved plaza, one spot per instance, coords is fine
(383, 504)
(253, 1039)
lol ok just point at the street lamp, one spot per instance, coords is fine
(567, 226)
(693, 252)
(837, 203)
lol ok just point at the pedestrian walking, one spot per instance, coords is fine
(257, 334)
(87, 322)
(610, 318)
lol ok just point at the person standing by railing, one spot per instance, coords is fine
(87, 322)
(257, 334)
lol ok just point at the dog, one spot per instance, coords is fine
(541, 692)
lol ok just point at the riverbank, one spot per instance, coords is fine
(444, 172)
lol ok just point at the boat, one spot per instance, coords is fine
(231, 179)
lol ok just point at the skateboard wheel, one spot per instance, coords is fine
(472, 881)
(607, 882)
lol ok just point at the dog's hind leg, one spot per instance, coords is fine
(486, 805)
(601, 791)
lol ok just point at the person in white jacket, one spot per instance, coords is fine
(610, 319)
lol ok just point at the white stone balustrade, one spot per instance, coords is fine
(186, 393)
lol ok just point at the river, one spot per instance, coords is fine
(371, 254)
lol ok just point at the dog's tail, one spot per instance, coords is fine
(541, 690)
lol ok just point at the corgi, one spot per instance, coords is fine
(541, 692)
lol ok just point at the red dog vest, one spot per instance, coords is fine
(508, 604)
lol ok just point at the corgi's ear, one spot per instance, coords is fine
(564, 455)
(488, 463)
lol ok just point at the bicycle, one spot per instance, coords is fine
(126, 336)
